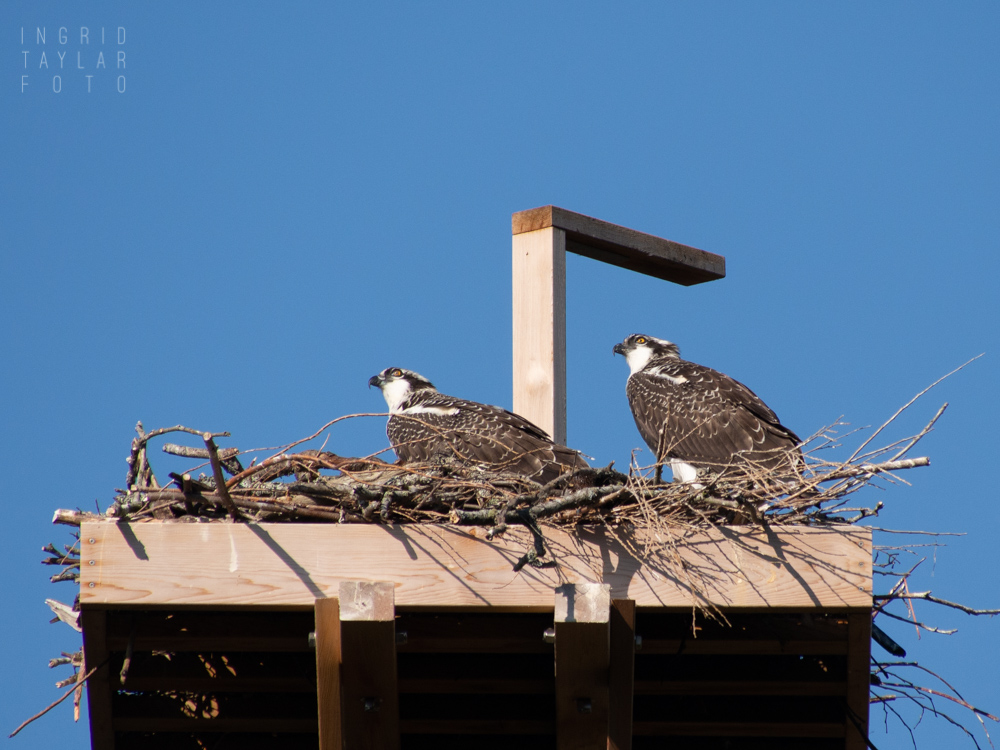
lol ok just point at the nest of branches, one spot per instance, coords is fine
(304, 485)
(317, 486)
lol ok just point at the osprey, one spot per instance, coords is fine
(426, 425)
(692, 416)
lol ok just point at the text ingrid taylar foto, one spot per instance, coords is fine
(92, 59)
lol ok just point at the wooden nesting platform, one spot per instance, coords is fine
(330, 636)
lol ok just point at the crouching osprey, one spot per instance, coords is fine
(692, 416)
(425, 425)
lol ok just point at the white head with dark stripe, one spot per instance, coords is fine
(398, 384)
(640, 349)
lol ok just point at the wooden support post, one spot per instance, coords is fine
(368, 669)
(542, 237)
(622, 674)
(582, 614)
(95, 652)
(859, 646)
(328, 659)
(539, 295)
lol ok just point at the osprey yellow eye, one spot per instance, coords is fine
(641, 340)
(397, 373)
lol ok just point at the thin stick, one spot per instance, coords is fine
(78, 689)
(127, 662)
(72, 690)
(220, 481)
(926, 595)
(919, 435)
(907, 405)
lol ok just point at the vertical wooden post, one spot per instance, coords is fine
(859, 645)
(368, 668)
(328, 659)
(539, 296)
(95, 652)
(622, 674)
(582, 613)
(542, 237)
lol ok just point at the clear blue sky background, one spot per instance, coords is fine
(289, 197)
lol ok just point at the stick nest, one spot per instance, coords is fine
(320, 486)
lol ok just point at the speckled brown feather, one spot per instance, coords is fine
(708, 419)
(477, 433)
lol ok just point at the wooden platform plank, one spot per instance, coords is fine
(624, 247)
(328, 661)
(155, 564)
(95, 650)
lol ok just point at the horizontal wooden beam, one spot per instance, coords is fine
(695, 646)
(486, 685)
(737, 729)
(434, 567)
(477, 726)
(623, 247)
(740, 687)
(236, 724)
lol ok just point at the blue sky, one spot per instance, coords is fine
(288, 198)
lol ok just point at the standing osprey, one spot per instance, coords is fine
(425, 425)
(692, 416)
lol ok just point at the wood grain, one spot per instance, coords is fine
(291, 565)
(369, 685)
(582, 665)
(621, 679)
(539, 316)
(328, 660)
(859, 640)
(95, 649)
(624, 247)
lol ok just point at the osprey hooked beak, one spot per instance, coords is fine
(618, 349)
(376, 380)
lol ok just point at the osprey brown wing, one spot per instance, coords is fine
(704, 417)
(433, 425)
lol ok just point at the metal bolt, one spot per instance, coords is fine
(91, 540)
(312, 640)
(583, 706)
(402, 638)
(91, 562)
(549, 636)
(372, 704)
(92, 584)
(638, 643)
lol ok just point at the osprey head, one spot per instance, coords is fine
(397, 384)
(639, 349)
